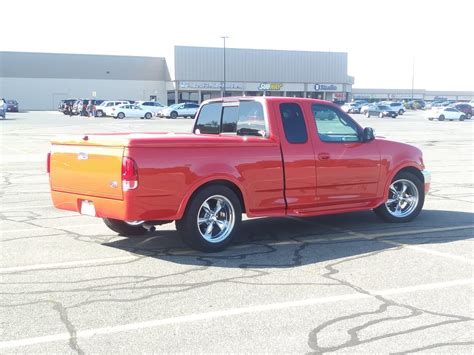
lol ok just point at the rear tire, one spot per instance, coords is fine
(441, 118)
(99, 113)
(380, 115)
(121, 115)
(124, 228)
(148, 115)
(211, 219)
(174, 115)
(367, 114)
(405, 199)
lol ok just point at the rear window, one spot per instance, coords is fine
(244, 118)
(209, 119)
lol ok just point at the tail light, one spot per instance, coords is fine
(129, 174)
(48, 163)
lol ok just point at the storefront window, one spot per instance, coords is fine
(207, 95)
(274, 93)
(295, 94)
(315, 95)
(171, 100)
(188, 96)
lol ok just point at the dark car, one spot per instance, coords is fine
(12, 106)
(464, 108)
(65, 106)
(415, 104)
(381, 111)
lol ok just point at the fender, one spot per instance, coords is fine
(400, 166)
(198, 184)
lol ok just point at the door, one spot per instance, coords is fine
(297, 156)
(347, 169)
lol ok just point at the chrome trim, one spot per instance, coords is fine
(426, 176)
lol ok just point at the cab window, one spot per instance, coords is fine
(333, 126)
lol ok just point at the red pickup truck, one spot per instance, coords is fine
(265, 156)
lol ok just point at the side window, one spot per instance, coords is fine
(293, 123)
(230, 115)
(251, 120)
(209, 119)
(333, 126)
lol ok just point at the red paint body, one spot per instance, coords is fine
(274, 177)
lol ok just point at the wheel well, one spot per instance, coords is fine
(226, 183)
(414, 171)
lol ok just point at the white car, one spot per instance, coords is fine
(104, 108)
(153, 106)
(396, 106)
(129, 110)
(176, 110)
(445, 113)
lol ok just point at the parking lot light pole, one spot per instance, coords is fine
(223, 91)
(412, 78)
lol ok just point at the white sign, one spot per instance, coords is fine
(210, 85)
(94, 93)
(270, 86)
(326, 87)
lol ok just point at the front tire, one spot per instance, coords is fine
(99, 113)
(211, 220)
(380, 115)
(121, 115)
(174, 115)
(124, 228)
(441, 118)
(367, 114)
(148, 115)
(406, 197)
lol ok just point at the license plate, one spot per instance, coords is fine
(87, 208)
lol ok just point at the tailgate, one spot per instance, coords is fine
(87, 170)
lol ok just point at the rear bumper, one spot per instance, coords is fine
(131, 208)
(427, 180)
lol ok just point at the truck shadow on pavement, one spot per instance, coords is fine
(291, 242)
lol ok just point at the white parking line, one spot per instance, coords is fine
(414, 247)
(67, 263)
(229, 312)
(26, 208)
(46, 227)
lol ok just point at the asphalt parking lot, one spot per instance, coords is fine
(335, 284)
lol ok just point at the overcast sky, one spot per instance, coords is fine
(381, 37)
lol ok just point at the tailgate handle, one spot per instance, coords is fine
(323, 156)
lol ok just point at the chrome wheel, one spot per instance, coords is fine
(403, 198)
(216, 218)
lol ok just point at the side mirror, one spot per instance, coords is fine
(368, 135)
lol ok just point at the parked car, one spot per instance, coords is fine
(12, 106)
(396, 106)
(445, 113)
(179, 110)
(129, 110)
(464, 108)
(244, 155)
(65, 106)
(104, 109)
(3, 108)
(153, 106)
(381, 111)
(351, 107)
(415, 104)
(364, 108)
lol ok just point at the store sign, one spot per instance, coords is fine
(328, 87)
(210, 85)
(270, 86)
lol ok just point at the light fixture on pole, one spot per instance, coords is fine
(223, 91)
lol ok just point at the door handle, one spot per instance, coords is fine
(323, 156)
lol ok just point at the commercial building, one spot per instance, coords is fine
(408, 94)
(199, 74)
(39, 81)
